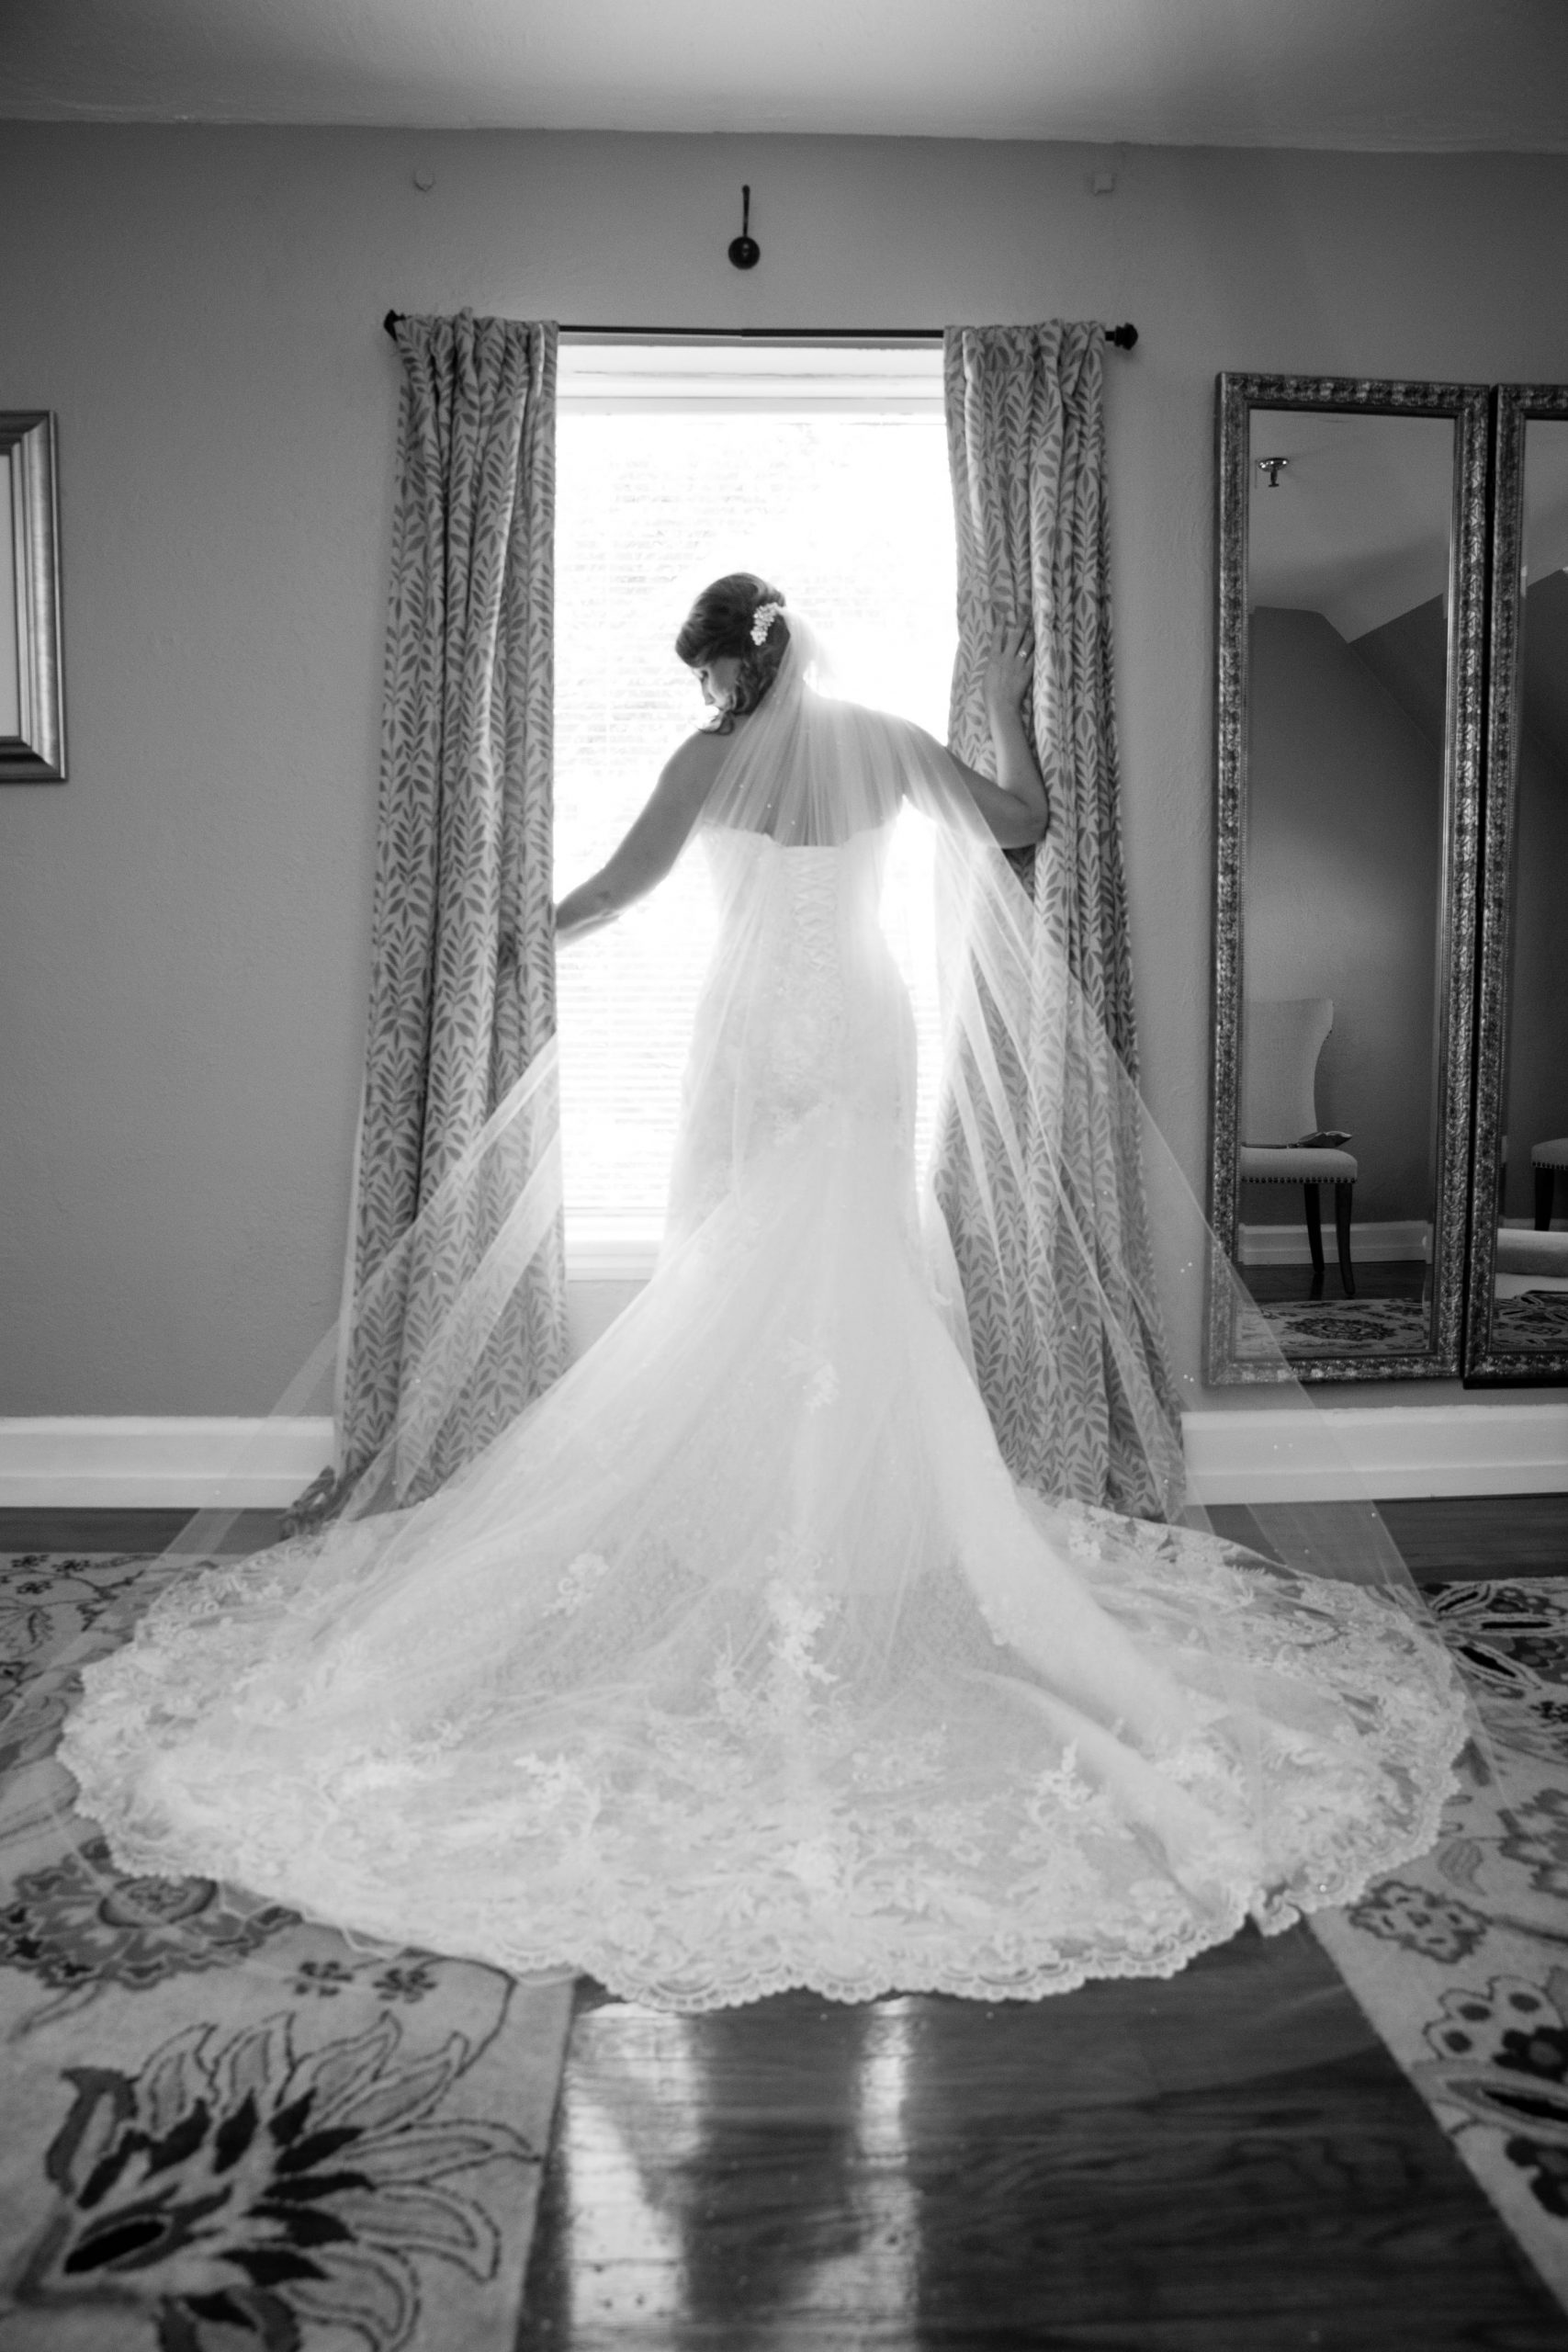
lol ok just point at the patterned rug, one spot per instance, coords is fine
(1331, 1327)
(1537, 1318)
(1390, 1327)
(237, 2133)
(1461, 1960)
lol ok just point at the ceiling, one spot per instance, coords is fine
(1356, 525)
(1395, 74)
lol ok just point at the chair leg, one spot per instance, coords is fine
(1545, 1181)
(1315, 1237)
(1342, 1235)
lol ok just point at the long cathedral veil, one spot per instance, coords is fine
(810, 771)
(810, 775)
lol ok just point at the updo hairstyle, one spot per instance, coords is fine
(720, 623)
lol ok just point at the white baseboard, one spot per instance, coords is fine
(1301, 1455)
(1287, 1245)
(1383, 1453)
(159, 1462)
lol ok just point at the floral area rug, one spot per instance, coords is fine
(1461, 1960)
(230, 2132)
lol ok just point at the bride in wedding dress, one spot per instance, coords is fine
(740, 1660)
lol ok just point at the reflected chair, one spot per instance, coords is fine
(1280, 1043)
(1546, 1160)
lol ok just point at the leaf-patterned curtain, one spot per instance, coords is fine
(462, 995)
(1026, 443)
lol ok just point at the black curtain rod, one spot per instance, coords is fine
(1123, 337)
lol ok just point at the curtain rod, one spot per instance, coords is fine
(1123, 337)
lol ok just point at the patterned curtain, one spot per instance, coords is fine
(1026, 442)
(462, 992)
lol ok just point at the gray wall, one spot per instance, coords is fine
(1343, 857)
(183, 927)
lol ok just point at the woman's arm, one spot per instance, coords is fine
(1015, 807)
(653, 843)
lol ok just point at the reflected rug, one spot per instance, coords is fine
(1537, 1318)
(1331, 1327)
(228, 2132)
(1461, 1960)
(1390, 1327)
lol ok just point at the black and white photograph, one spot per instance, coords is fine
(784, 1176)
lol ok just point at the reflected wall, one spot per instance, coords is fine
(1351, 582)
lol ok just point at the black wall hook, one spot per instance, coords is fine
(744, 250)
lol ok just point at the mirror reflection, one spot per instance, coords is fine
(1348, 582)
(1529, 1311)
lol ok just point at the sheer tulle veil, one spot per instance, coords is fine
(807, 771)
(808, 776)
(810, 769)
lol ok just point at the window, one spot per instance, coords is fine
(824, 469)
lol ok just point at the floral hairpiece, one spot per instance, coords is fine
(762, 620)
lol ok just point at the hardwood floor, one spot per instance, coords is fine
(1445, 1537)
(53, 1529)
(1229, 2162)
(1442, 1536)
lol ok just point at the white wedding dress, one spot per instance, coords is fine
(740, 1661)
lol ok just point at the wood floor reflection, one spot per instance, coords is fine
(1375, 1278)
(1227, 2160)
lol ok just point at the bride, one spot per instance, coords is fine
(740, 1660)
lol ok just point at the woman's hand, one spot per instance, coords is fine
(1015, 803)
(1010, 665)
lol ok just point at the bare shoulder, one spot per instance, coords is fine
(690, 769)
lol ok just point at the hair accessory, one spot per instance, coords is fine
(762, 620)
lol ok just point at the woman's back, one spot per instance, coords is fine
(804, 1018)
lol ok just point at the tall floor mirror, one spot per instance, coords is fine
(1517, 1327)
(1351, 599)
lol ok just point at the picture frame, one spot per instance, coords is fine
(32, 698)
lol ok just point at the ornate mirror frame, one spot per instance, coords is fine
(1515, 405)
(36, 752)
(1467, 405)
